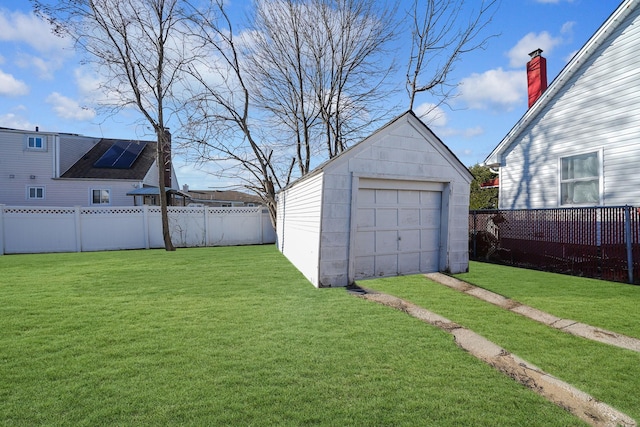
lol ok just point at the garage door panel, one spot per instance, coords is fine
(429, 239)
(386, 265)
(366, 217)
(431, 198)
(388, 197)
(409, 263)
(386, 241)
(366, 196)
(408, 217)
(386, 218)
(429, 261)
(366, 242)
(430, 218)
(409, 240)
(365, 266)
(409, 197)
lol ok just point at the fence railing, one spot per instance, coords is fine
(598, 242)
(80, 229)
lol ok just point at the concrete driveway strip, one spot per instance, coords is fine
(569, 326)
(580, 404)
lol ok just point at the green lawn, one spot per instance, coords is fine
(608, 305)
(608, 373)
(236, 336)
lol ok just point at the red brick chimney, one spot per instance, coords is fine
(167, 158)
(536, 76)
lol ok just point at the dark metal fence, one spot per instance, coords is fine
(600, 242)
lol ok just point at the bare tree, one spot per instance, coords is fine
(138, 48)
(306, 75)
(220, 126)
(442, 32)
(319, 68)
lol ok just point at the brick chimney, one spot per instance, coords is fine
(536, 76)
(167, 158)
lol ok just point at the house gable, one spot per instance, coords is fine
(590, 109)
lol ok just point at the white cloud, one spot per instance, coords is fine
(10, 86)
(519, 54)
(431, 114)
(28, 28)
(67, 108)
(11, 120)
(494, 89)
(46, 52)
(43, 67)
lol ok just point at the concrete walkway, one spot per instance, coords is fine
(580, 404)
(569, 326)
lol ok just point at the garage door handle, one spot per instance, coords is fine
(399, 238)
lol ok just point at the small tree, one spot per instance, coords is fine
(138, 48)
(482, 198)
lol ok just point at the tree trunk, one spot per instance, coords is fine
(160, 158)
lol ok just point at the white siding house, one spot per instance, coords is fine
(396, 203)
(58, 169)
(579, 144)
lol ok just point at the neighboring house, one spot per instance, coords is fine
(217, 198)
(579, 143)
(396, 203)
(59, 169)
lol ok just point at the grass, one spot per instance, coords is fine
(228, 336)
(608, 305)
(608, 373)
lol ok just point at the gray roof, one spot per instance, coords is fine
(84, 168)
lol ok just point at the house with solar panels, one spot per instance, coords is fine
(58, 169)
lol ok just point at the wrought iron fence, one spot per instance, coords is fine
(598, 242)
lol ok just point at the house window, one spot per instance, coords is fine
(35, 193)
(35, 143)
(100, 197)
(580, 179)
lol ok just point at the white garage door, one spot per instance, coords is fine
(397, 232)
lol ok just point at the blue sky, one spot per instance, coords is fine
(43, 84)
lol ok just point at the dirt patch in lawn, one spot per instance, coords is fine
(562, 394)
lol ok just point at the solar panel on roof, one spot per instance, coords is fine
(121, 155)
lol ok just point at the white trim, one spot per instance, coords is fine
(92, 189)
(600, 157)
(27, 141)
(36, 187)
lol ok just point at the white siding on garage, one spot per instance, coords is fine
(596, 109)
(298, 229)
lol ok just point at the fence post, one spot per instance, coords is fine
(1, 229)
(627, 238)
(145, 226)
(475, 232)
(206, 226)
(78, 225)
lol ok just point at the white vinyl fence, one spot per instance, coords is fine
(80, 229)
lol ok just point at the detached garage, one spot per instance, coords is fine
(396, 203)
